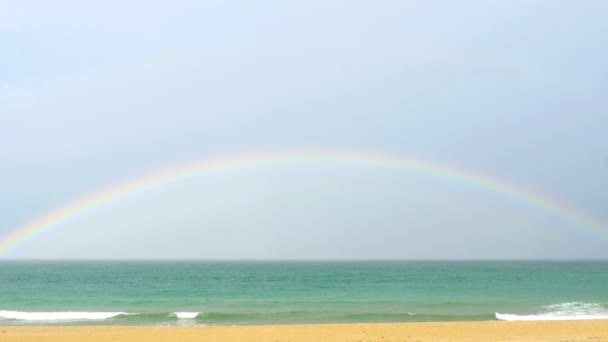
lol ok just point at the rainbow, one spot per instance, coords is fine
(96, 199)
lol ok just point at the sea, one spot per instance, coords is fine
(200, 293)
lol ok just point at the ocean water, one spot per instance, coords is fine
(242, 293)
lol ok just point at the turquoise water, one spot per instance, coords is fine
(227, 293)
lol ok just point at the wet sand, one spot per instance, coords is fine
(562, 331)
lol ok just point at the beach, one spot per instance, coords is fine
(564, 331)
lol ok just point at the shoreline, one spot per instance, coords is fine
(571, 331)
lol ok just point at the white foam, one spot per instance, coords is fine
(511, 317)
(563, 311)
(58, 316)
(187, 315)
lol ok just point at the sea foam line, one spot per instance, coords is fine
(58, 316)
(186, 315)
(563, 311)
(547, 317)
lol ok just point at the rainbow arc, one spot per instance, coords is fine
(96, 199)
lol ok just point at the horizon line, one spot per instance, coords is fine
(295, 260)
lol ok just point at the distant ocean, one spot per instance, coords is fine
(242, 293)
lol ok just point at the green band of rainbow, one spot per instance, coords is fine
(90, 202)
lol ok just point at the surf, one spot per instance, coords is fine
(562, 311)
(58, 315)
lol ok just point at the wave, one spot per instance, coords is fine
(562, 311)
(58, 316)
(187, 315)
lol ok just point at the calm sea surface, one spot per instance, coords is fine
(227, 293)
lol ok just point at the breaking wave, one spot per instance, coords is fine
(187, 315)
(58, 316)
(562, 311)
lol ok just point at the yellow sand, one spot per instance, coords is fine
(561, 331)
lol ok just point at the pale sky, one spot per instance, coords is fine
(93, 93)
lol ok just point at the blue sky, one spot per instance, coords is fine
(92, 93)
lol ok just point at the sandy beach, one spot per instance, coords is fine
(563, 331)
